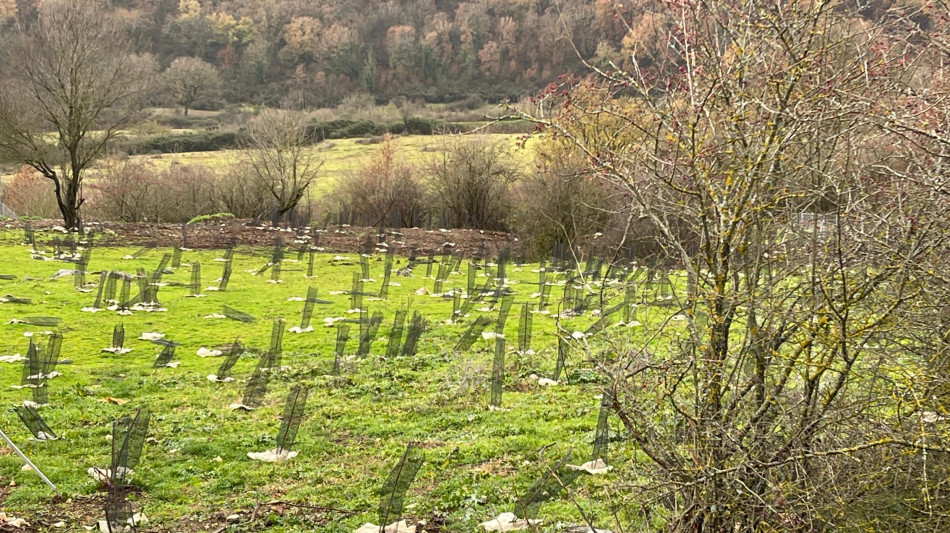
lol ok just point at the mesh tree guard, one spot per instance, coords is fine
(34, 422)
(234, 314)
(234, 353)
(417, 327)
(165, 356)
(602, 432)
(498, 372)
(474, 330)
(339, 352)
(294, 408)
(368, 329)
(257, 384)
(128, 439)
(225, 276)
(118, 336)
(524, 328)
(356, 293)
(395, 334)
(387, 275)
(195, 287)
(503, 312)
(276, 348)
(392, 494)
(549, 484)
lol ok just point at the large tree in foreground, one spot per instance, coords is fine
(71, 85)
(787, 156)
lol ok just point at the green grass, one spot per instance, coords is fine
(341, 158)
(477, 462)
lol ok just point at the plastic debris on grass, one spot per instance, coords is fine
(272, 456)
(595, 467)
(137, 519)
(104, 475)
(116, 350)
(395, 527)
(508, 522)
(12, 521)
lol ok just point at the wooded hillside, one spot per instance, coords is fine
(315, 53)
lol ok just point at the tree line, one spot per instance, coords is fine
(294, 53)
(311, 54)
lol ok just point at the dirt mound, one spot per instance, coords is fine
(222, 234)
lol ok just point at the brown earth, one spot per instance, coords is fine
(225, 233)
(79, 512)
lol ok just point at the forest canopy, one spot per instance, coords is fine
(312, 54)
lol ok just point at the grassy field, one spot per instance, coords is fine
(341, 157)
(478, 462)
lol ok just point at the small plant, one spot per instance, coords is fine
(214, 216)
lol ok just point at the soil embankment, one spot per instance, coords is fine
(225, 233)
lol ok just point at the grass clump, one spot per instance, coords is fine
(213, 216)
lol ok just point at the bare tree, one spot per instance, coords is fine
(563, 201)
(189, 79)
(72, 86)
(794, 386)
(470, 182)
(407, 108)
(280, 159)
(385, 190)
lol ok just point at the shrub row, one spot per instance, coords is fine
(475, 184)
(191, 142)
(468, 182)
(189, 122)
(130, 191)
(335, 129)
(28, 193)
(346, 128)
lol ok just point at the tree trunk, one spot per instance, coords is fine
(67, 197)
(70, 216)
